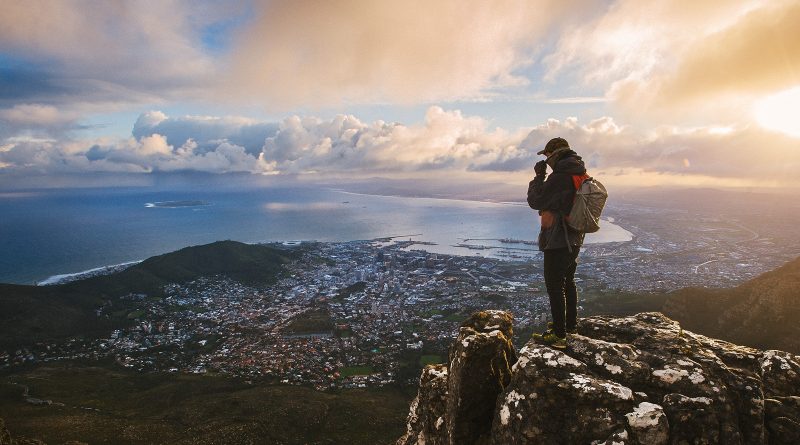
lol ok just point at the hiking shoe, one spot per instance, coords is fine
(569, 331)
(539, 336)
(552, 340)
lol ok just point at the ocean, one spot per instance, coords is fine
(45, 233)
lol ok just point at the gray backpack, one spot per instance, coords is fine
(590, 198)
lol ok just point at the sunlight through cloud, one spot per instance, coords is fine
(781, 112)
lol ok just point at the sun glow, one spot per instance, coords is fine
(780, 112)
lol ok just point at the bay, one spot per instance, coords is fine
(45, 233)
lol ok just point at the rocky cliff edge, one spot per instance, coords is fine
(632, 380)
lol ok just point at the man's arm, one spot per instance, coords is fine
(536, 186)
(548, 194)
(535, 192)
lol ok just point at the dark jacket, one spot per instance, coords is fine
(553, 199)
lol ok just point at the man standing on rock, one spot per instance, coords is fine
(553, 198)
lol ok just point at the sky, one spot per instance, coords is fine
(702, 93)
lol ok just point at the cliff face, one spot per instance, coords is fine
(632, 380)
(762, 312)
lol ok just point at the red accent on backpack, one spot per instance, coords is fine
(577, 180)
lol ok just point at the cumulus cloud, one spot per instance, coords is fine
(447, 142)
(295, 145)
(206, 131)
(149, 154)
(307, 52)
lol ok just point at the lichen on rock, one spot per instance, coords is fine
(648, 424)
(481, 359)
(424, 426)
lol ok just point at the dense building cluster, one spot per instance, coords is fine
(344, 315)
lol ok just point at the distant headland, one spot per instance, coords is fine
(176, 204)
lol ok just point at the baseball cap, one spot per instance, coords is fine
(554, 144)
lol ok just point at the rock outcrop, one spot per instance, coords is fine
(465, 391)
(631, 380)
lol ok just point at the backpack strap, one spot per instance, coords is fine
(566, 234)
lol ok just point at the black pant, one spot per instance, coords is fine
(559, 277)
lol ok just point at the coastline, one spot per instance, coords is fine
(96, 271)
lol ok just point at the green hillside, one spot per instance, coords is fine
(116, 406)
(762, 312)
(34, 313)
(250, 264)
(30, 313)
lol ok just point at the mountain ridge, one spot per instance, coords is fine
(761, 312)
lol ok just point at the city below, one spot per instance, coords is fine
(370, 313)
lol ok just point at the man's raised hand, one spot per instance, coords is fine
(540, 168)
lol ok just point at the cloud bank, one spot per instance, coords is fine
(447, 142)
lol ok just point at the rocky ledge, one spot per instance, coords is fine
(632, 380)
